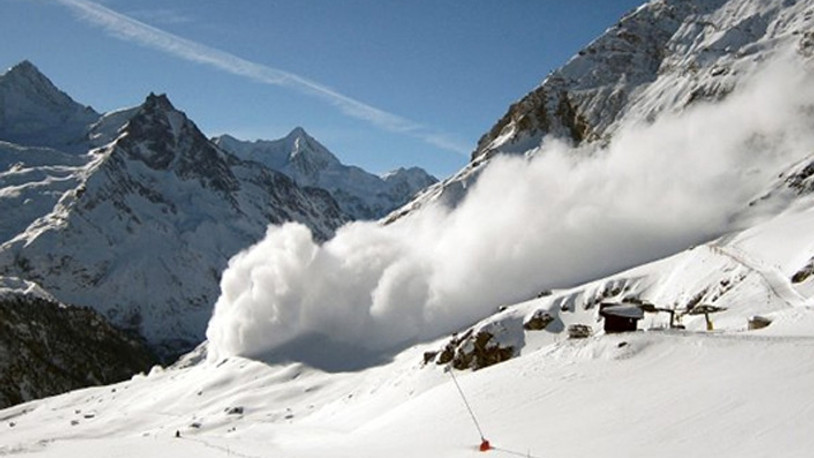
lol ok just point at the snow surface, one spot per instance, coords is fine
(661, 393)
(12, 286)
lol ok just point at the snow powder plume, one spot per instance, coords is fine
(554, 218)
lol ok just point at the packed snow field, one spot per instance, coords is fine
(664, 393)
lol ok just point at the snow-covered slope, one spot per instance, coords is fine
(141, 228)
(360, 194)
(44, 136)
(34, 112)
(666, 394)
(32, 180)
(763, 270)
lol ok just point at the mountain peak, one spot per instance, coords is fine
(25, 67)
(310, 155)
(34, 112)
(164, 138)
(158, 112)
(158, 102)
(359, 194)
(25, 76)
(297, 132)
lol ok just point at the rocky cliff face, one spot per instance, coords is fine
(47, 348)
(664, 56)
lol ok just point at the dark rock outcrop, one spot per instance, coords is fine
(538, 321)
(472, 350)
(47, 348)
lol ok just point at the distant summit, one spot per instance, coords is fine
(34, 112)
(360, 194)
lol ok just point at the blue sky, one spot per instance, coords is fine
(381, 83)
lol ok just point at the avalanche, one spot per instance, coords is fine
(562, 216)
(668, 164)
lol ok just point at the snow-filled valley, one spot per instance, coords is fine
(624, 269)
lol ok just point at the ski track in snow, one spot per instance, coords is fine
(774, 279)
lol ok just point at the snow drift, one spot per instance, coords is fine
(557, 216)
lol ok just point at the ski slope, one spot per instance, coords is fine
(657, 393)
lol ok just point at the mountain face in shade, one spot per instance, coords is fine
(48, 348)
(360, 194)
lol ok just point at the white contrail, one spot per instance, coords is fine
(132, 30)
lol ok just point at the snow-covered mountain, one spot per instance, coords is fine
(661, 58)
(32, 182)
(34, 112)
(360, 194)
(140, 228)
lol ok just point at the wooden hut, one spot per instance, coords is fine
(620, 317)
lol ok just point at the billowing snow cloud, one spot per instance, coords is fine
(559, 218)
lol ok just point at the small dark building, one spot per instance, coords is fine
(620, 317)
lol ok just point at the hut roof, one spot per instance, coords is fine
(622, 310)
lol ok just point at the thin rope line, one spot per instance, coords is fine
(466, 403)
(512, 452)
